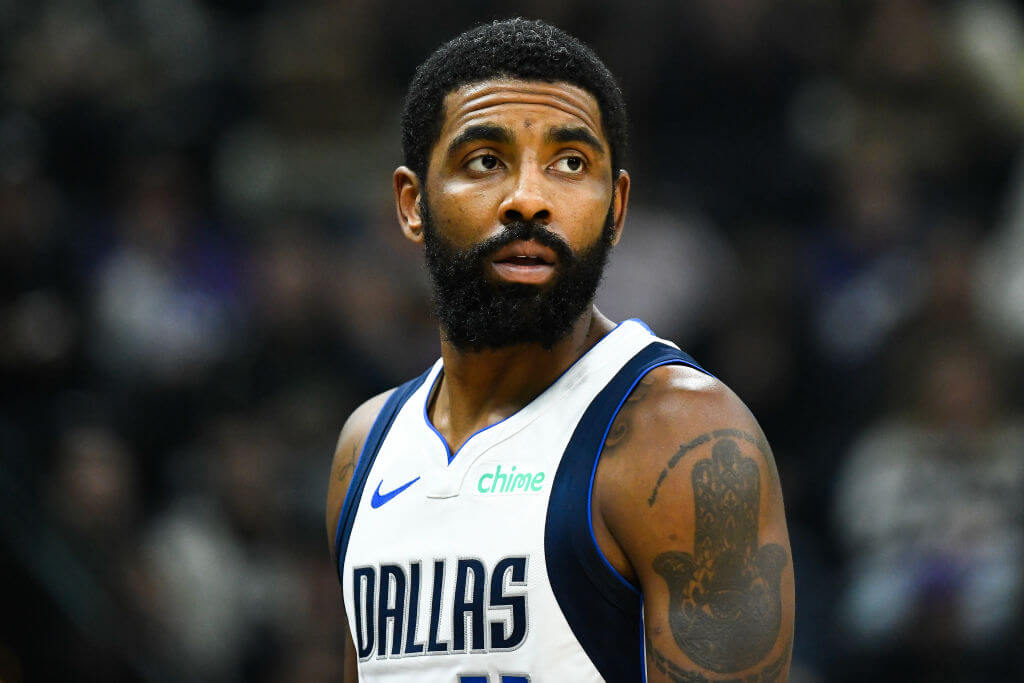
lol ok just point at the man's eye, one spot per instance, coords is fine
(571, 165)
(484, 162)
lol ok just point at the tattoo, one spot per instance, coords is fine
(761, 444)
(725, 604)
(622, 426)
(769, 674)
(683, 450)
(345, 471)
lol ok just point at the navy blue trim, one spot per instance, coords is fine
(374, 439)
(603, 609)
(593, 472)
(643, 651)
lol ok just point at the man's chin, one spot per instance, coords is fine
(484, 299)
(516, 314)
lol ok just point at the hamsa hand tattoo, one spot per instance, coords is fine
(725, 604)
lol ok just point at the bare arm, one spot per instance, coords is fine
(346, 456)
(688, 504)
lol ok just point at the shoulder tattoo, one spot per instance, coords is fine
(622, 426)
(345, 470)
(725, 604)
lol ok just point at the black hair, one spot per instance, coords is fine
(512, 48)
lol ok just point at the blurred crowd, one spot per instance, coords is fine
(201, 276)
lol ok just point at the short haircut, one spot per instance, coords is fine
(513, 48)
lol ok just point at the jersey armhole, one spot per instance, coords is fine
(593, 473)
(381, 425)
(602, 607)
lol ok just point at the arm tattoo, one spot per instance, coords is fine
(761, 444)
(622, 426)
(769, 674)
(725, 604)
(345, 471)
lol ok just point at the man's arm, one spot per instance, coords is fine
(687, 503)
(346, 455)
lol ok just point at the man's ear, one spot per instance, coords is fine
(407, 203)
(621, 201)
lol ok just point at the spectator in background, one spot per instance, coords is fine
(226, 590)
(93, 491)
(164, 295)
(1000, 276)
(928, 510)
(675, 272)
(94, 494)
(865, 270)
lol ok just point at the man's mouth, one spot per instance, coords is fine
(526, 261)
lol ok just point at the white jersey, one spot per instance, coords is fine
(481, 566)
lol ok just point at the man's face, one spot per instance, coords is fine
(518, 212)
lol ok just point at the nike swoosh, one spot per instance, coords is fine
(379, 499)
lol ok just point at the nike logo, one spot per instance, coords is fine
(379, 499)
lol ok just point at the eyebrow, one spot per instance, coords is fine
(575, 134)
(487, 132)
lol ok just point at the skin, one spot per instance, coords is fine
(716, 576)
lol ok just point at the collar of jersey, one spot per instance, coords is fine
(506, 428)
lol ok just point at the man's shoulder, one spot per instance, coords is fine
(678, 386)
(346, 456)
(675, 416)
(674, 404)
(358, 424)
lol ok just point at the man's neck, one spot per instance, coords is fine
(481, 388)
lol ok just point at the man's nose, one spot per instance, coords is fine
(526, 201)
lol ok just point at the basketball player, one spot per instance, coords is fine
(559, 498)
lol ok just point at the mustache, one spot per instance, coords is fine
(523, 231)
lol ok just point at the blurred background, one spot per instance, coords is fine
(201, 275)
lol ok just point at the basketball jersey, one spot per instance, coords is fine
(481, 566)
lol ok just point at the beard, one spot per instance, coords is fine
(477, 313)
